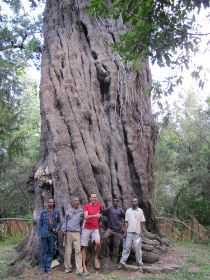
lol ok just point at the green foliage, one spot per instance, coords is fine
(20, 44)
(19, 145)
(156, 28)
(20, 31)
(168, 32)
(13, 240)
(182, 170)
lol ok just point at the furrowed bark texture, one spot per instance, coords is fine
(97, 129)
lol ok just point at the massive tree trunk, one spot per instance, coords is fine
(97, 132)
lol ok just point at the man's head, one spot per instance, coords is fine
(93, 198)
(51, 203)
(115, 202)
(76, 202)
(134, 202)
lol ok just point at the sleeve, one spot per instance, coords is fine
(40, 225)
(64, 226)
(81, 219)
(126, 216)
(82, 214)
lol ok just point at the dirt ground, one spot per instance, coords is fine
(176, 256)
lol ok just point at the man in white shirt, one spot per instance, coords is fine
(134, 217)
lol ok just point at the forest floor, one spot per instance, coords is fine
(194, 260)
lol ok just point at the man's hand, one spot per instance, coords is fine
(98, 215)
(124, 235)
(87, 216)
(63, 231)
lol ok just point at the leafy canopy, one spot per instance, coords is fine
(165, 30)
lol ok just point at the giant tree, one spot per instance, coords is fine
(97, 131)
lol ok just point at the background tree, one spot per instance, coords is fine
(19, 110)
(19, 150)
(182, 168)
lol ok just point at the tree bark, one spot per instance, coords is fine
(98, 134)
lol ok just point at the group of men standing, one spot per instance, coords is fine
(82, 225)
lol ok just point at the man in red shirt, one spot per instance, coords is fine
(92, 214)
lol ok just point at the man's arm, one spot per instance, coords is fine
(122, 213)
(142, 224)
(125, 224)
(64, 226)
(143, 228)
(58, 220)
(40, 225)
(105, 211)
(87, 216)
(125, 229)
(82, 218)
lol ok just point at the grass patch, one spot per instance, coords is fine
(8, 253)
(190, 244)
(12, 240)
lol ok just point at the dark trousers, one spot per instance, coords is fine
(47, 250)
(116, 239)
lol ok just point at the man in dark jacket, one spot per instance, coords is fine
(115, 216)
(49, 224)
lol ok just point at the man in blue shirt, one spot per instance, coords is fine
(115, 216)
(72, 228)
(49, 225)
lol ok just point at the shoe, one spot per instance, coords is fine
(42, 271)
(120, 265)
(140, 264)
(49, 271)
(97, 264)
(86, 273)
(81, 274)
(67, 271)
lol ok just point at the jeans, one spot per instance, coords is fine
(47, 250)
(135, 240)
